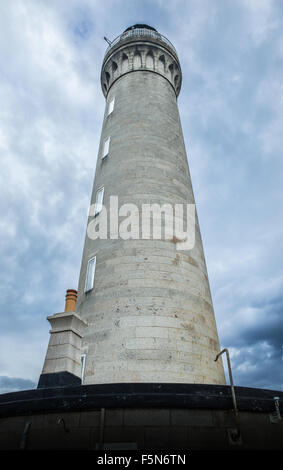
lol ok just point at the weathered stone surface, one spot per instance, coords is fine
(150, 315)
(64, 348)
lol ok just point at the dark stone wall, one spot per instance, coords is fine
(141, 429)
(140, 416)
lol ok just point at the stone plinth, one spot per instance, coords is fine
(64, 350)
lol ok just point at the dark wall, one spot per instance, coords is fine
(141, 429)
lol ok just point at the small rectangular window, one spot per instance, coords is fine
(106, 147)
(111, 106)
(99, 201)
(90, 274)
(83, 367)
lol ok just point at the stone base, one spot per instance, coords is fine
(58, 379)
(140, 416)
(64, 350)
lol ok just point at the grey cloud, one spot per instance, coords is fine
(13, 384)
(50, 120)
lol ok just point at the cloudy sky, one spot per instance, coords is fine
(51, 109)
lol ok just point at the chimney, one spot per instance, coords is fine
(71, 300)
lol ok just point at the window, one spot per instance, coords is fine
(111, 106)
(106, 147)
(90, 274)
(83, 367)
(99, 201)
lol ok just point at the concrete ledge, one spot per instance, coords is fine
(136, 395)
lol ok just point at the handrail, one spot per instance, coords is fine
(140, 32)
(230, 377)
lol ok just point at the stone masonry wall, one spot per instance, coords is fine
(150, 314)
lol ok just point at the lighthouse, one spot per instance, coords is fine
(144, 312)
(133, 361)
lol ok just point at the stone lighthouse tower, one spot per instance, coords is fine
(144, 311)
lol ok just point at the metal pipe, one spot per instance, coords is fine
(62, 421)
(230, 377)
(23, 443)
(102, 422)
(277, 409)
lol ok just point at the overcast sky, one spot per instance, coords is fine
(51, 110)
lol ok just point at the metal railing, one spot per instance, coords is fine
(137, 32)
(225, 350)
